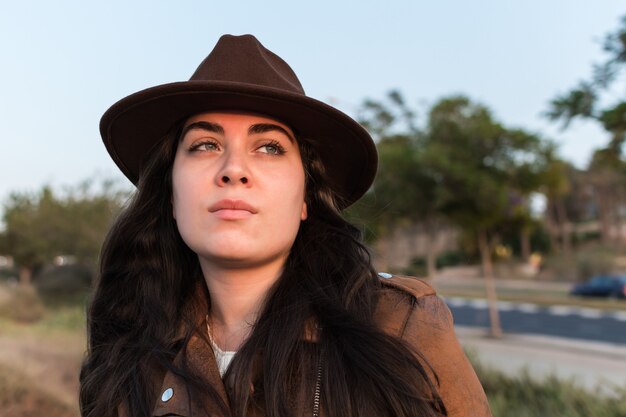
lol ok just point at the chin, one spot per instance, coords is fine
(239, 256)
(238, 261)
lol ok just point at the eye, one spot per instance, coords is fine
(272, 148)
(205, 146)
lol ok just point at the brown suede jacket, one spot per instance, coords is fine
(408, 308)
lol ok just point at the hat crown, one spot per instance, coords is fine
(243, 59)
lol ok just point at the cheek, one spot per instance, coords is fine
(184, 209)
(182, 197)
(295, 206)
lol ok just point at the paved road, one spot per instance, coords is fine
(561, 321)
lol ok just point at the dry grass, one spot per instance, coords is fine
(22, 397)
(39, 364)
(21, 304)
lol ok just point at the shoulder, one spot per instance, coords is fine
(404, 301)
(409, 308)
(412, 286)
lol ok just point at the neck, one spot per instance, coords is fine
(237, 295)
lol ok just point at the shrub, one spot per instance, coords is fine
(22, 304)
(8, 275)
(417, 267)
(524, 396)
(452, 258)
(62, 285)
(581, 264)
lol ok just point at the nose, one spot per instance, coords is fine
(234, 170)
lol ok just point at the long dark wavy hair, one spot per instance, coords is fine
(151, 291)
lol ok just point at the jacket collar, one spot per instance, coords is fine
(174, 397)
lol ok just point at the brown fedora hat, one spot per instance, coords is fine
(241, 74)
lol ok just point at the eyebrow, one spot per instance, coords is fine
(258, 128)
(208, 126)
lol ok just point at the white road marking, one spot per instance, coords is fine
(619, 315)
(528, 308)
(589, 313)
(506, 306)
(456, 301)
(478, 303)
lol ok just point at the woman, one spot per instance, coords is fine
(232, 286)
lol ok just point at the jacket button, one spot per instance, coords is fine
(167, 395)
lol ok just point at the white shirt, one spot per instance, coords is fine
(222, 357)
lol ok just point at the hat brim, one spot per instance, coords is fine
(134, 124)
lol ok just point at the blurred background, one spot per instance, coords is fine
(502, 181)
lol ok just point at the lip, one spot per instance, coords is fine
(232, 209)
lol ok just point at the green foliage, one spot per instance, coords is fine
(417, 267)
(584, 100)
(404, 189)
(453, 258)
(593, 99)
(614, 119)
(383, 118)
(484, 170)
(463, 167)
(404, 185)
(539, 238)
(46, 224)
(579, 102)
(367, 216)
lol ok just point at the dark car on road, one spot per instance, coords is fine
(613, 286)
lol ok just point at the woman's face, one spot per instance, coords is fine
(238, 189)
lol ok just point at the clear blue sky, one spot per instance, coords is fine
(65, 62)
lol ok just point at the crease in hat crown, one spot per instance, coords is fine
(231, 50)
(241, 74)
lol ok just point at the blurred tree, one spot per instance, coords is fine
(585, 100)
(405, 189)
(484, 173)
(595, 99)
(607, 174)
(382, 119)
(44, 225)
(464, 168)
(27, 233)
(532, 156)
(4, 243)
(408, 190)
(556, 187)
